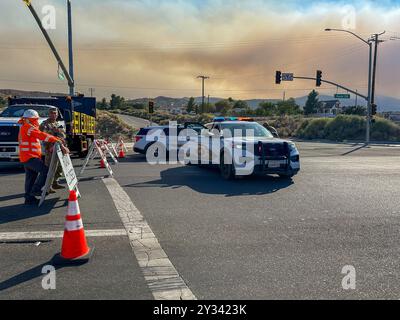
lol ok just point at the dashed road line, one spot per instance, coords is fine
(58, 234)
(160, 274)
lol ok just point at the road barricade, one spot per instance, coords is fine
(98, 147)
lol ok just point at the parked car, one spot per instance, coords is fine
(158, 137)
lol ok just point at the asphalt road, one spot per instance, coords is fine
(135, 122)
(253, 238)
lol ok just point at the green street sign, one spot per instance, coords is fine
(342, 96)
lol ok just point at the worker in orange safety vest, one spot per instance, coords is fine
(30, 154)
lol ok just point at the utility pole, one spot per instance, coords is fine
(202, 91)
(70, 49)
(284, 95)
(377, 41)
(371, 78)
(91, 91)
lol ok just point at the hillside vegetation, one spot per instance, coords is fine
(344, 128)
(110, 126)
(340, 128)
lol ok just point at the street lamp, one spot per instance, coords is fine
(369, 43)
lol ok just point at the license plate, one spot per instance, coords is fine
(5, 155)
(274, 164)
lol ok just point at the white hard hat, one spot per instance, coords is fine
(30, 114)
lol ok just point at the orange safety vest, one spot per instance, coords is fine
(29, 142)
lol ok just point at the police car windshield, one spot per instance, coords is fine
(17, 111)
(257, 129)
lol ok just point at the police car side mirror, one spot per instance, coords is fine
(274, 132)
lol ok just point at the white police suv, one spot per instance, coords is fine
(244, 148)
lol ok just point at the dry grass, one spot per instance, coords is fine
(110, 126)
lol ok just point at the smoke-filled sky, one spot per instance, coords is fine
(147, 48)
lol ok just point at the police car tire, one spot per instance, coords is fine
(226, 170)
(158, 146)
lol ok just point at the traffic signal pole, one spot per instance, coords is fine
(52, 47)
(371, 106)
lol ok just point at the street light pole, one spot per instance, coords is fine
(368, 128)
(377, 41)
(369, 43)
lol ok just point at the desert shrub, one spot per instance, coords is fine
(314, 129)
(110, 126)
(345, 128)
(348, 127)
(385, 130)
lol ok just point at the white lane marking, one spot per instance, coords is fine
(160, 274)
(58, 234)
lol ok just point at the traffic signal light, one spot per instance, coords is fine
(319, 77)
(278, 77)
(373, 109)
(151, 106)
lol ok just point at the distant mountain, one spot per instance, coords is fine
(384, 103)
(21, 93)
(177, 102)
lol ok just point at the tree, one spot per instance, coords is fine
(191, 106)
(117, 102)
(223, 106)
(266, 109)
(209, 108)
(240, 104)
(288, 107)
(2, 102)
(357, 110)
(102, 105)
(312, 103)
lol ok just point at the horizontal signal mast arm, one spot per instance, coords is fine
(336, 85)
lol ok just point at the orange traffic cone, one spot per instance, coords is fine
(121, 153)
(102, 164)
(74, 248)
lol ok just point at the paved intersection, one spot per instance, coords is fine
(254, 238)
